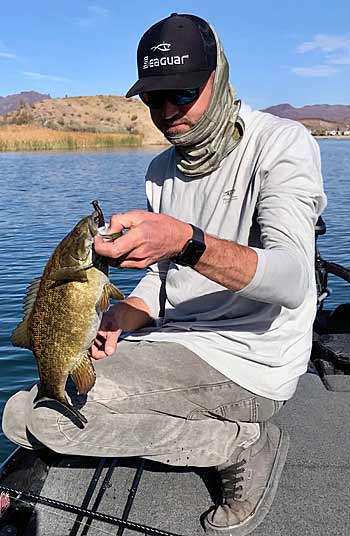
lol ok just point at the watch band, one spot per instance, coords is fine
(198, 234)
(193, 249)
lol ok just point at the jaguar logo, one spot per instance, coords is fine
(163, 47)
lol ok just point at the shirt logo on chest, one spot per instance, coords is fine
(229, 196)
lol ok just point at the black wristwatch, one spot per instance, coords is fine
(192, 250)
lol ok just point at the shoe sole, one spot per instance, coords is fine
(263, 507)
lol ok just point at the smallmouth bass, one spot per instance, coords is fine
(62, 312)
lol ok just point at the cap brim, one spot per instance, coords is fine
(169, 82)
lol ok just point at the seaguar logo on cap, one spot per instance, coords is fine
(163, 47)
(148, 62)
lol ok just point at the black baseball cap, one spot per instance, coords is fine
(178, 52)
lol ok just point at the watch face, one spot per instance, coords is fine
(193, 249)
(192, 252)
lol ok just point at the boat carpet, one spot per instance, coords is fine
(313, 497)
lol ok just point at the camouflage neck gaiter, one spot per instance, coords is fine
(219, 130)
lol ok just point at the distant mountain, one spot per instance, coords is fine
(15, 102)
(336, 113)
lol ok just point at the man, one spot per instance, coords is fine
(220, 328)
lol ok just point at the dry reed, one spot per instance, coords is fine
(28, 138)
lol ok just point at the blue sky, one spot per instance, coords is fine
(279, 51)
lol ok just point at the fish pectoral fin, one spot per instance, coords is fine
(20, 336)
(84, 375)
(114, 292)
(70, 274)
(108, 291)
(102, 304)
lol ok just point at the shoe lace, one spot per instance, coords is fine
(230, 477)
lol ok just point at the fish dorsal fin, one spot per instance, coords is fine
(20, 335)
(114, 292)
(84, 375)
(32, 292)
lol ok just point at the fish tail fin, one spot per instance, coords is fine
(43, 395)
(81, 418)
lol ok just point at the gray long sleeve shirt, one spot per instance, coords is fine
(267, 194)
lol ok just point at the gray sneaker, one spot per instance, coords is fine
(249, 484)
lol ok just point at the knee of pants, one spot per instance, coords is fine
(8, 417)
(14, 419)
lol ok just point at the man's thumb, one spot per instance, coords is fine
(111, 341)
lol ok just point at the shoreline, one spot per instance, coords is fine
(18, 138)
(27, 138)
(329, 137)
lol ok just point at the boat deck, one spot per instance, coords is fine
(313, 497)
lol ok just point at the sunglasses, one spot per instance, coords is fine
(156, 99)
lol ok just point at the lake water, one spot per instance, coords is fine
(44, 194)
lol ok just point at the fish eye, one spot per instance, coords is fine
(77, 231)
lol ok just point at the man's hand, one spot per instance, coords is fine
(127, 315)
(107, 336)
(150, 238)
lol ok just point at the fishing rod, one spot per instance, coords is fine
(85, 512)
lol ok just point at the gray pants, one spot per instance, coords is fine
(155, 400)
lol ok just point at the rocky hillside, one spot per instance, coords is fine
(15, 102)
(332, 113)
(321, 125)
(101, 113)
(112, 114)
